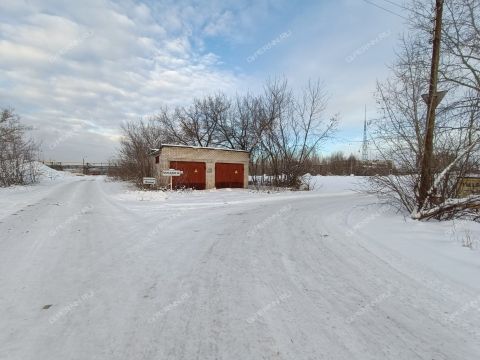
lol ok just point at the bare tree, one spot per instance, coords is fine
(297, 130)
(198, 124)
(400, 132)
(245, 123)
(138, 139)
(461, 33)
(17, 152)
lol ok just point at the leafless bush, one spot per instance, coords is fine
(17, 152)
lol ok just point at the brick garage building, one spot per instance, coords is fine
(203, 167)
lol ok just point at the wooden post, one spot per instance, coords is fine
(426, 166)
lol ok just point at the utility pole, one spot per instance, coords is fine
(432, 101)
(365, 139)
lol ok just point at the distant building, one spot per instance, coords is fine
(202, 167)
(469, 185)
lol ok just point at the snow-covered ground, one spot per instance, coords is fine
(15, 198)
(92, 269)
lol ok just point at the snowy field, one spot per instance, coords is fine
(93, 269)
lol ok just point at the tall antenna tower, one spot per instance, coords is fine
(365, 140)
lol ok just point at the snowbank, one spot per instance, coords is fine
(48, 174)
(140, 195)
(334, 184)
(16, 197)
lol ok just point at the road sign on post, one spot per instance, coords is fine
(149, 181)
(171, 173)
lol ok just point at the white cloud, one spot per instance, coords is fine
(90, 65)
(97, 66)
(221, 24)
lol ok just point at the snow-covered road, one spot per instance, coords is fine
(87, 271)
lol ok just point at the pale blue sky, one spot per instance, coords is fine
(75, 70)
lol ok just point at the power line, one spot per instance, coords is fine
(385, 9)
(394, 3)
(406, 8)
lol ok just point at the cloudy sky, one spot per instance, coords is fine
(74, 70)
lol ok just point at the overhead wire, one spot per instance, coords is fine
(385, 9)
(406, 8)
(394, 3)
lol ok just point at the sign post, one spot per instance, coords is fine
(171, 173)
(149, 181)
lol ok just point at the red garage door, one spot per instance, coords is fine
(228, 175)
(193, 174)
